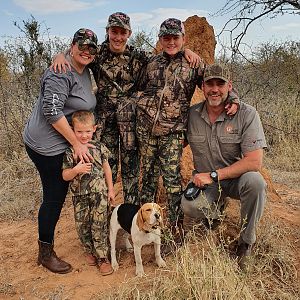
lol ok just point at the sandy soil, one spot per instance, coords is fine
(21, 278)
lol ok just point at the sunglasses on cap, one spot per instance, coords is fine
(84, 47)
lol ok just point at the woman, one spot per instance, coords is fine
(117, 70)
(47, 135)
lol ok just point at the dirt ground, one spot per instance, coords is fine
(21, 278)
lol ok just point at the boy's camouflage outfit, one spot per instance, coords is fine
(162, 110)
(117, 76)
(89, 196)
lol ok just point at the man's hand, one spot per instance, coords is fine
(194, 59)
(60, 64)
(202, 179)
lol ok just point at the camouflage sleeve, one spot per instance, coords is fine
(233, 97)
(93, 66)
(143, 57)
(68, 160)
(200, 74)
(105, 153)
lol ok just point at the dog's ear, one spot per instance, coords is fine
(139, 219)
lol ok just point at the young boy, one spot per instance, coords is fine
(91, 185)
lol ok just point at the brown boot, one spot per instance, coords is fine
(47, 257)
(105, 267)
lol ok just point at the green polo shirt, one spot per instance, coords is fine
(218, 145)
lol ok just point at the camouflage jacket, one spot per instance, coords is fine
(94, 182)
(117, 76)
(168, 86)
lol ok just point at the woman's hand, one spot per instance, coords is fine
(60, 64)
(81, 152)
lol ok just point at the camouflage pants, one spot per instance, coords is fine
(129, 162)
(91, 220)
(160, 155)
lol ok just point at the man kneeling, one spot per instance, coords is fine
(227, 153)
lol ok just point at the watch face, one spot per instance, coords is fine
(214, 175)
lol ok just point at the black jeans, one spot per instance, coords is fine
(54, 192)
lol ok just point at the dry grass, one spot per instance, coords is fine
(204, 269)
(285, 156)
(20, 189)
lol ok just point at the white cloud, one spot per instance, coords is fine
(7, 13)
(55, 6)
(286, 27)
(155, 17)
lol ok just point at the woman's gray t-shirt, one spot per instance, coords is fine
(61, 94)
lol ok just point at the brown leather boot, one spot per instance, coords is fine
(47, 258)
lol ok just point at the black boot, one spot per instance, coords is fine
(243, 253)
(173, 238)
(47, 257)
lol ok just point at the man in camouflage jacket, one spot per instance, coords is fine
(116, 76)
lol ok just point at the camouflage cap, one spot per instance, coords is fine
(216, 71)
(85, 37)
(171, 26)
(119, 19)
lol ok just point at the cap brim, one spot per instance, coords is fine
(90, 43)
(170, 32)
(215, 77)
(119, 25)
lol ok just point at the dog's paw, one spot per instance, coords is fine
(115, 266)
(140, 273)
(129, 247)
(161, 263)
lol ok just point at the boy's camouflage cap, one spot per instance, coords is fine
(216, 71)
(119, 19)
(86, 37)
(171, 26)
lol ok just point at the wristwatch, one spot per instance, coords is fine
(214, 176)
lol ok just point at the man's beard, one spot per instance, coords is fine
(215, 102)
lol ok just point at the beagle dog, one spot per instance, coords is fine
(144, 224)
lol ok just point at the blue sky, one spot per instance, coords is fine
(64, 17)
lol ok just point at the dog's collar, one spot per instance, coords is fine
(153, 227)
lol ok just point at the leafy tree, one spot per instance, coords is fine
(25, 57)
(142, 41)
(4, 73)
(270, 81)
